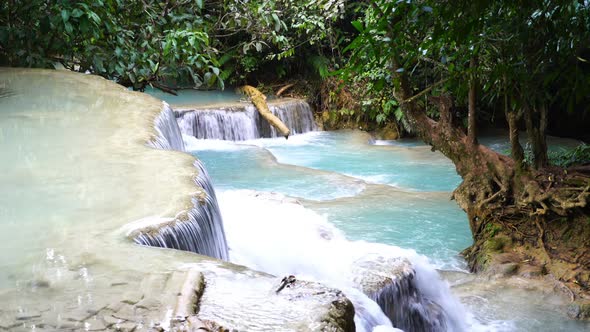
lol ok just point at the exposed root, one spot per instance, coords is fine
(489, 199)
(561, 286)
(540, 237)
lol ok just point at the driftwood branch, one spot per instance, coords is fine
(259, 100)
(283, 89)
(423, 92)
(164, 88)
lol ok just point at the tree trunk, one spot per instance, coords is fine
(259, 100)
(471, 123)
(525, 221)
(515, 148)
(536, 125)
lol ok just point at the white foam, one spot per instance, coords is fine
(384, 328)
(308, 138)
(284, 238)
(192, 143)
(150, 221)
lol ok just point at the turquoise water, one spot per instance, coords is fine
(75, 170)
(399, 196)
(242, 169)
(353, 183)
(195, 97)
(426, 222)
(499, 141)
(409, 164)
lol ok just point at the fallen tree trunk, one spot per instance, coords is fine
(259, 100)
(283, 89)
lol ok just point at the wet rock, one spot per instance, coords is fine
(110, 320)
(23, 316)
(579, 309)
(39, 284)
(69, 325)
(126, 313)
(116, 306)
(504, 270)
(388, 132)
(149, 304)
(9, 325)
(530, 271)
(337, 312)
(132, 297)
(247, 301)
(95, 325)
(391, 283)
(124, 327)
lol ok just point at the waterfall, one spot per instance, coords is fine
(199, 230)
(243, 122)
(169, 136)
(391, 283)
(407, 309)
(389, 286)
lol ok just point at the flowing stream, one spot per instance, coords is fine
(81, 180)
(83, 164)
(316, 204)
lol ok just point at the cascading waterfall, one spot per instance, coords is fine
(243, 122)
(169, 135)
(408, 310)
(392, 284)
(200, 230)
(389, 286)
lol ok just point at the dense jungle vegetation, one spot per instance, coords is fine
(439, 70)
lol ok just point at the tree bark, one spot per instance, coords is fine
(284, 88)
(515, 148)
(536, 125)
(471, 123)
(534, 219)
(259, 100)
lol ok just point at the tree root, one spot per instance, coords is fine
(540, 240)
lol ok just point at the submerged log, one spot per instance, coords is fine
(259, 100)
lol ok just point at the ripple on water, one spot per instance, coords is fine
(349, 152)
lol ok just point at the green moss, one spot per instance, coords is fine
(496, 244)
(492, 229)
(508, 269)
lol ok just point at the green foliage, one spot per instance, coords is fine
(561, 157)
(280, 31)
(533, 52)
(131, 42)
(177, 42)
(569, 157)
(492, 230)
(320, 64)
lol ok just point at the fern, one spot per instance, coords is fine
(320, 64)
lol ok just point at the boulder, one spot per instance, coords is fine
(391, 283)
(250, 302)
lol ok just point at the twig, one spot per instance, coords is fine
(423, 92)
(165, 88)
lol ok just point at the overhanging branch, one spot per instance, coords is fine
(423, 92)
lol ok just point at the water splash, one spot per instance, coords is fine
(242, 122)
(276, 235)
